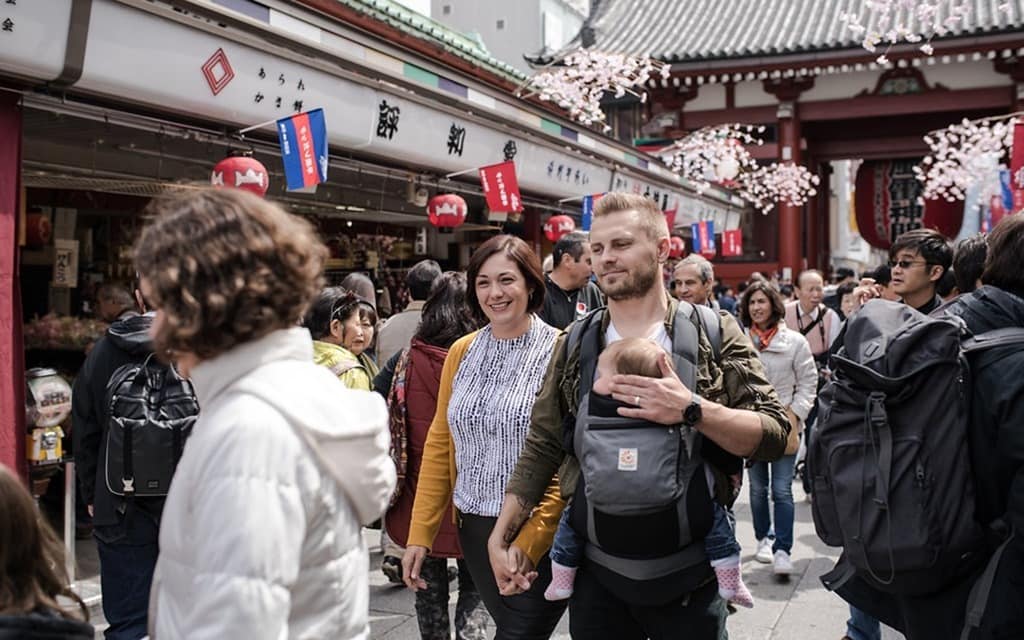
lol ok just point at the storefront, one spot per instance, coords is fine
(114, 101)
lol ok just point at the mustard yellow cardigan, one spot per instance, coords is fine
(438, 472)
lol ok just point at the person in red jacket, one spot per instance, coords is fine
(410, 381)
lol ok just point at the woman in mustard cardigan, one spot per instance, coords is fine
(488, 385)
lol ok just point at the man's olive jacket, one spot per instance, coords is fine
(738, 381)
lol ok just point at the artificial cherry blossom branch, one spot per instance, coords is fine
(581, 81)
(964, 154)
(893, 21)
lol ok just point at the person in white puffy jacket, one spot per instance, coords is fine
(261, 533)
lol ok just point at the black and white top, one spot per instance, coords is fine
(489, 411)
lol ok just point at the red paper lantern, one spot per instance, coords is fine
(38, 230)
(446, 211)
(558, 226)
(242, 171)
(676, 247)
(886, 202)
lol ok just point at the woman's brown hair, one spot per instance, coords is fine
(225, 267)
(778, 307)
(518, 252)
(32, 573)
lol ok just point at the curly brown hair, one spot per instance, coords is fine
(32, 573)
(225, 267)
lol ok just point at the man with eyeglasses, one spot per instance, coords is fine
(918, 260)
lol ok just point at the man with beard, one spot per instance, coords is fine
(733, 407)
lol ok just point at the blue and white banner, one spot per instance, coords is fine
(703, 237)
(303, 139)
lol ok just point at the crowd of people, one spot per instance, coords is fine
(574, 438)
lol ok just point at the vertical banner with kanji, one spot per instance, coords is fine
(732, 243)
(587, 216)
(501, 188)
(704, 238)
(1017, 165)
(303, 139)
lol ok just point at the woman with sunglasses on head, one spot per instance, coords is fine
(488, 387)
(335, 320)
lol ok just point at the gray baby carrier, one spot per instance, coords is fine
(642, 502)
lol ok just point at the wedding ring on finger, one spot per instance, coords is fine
(636, 400)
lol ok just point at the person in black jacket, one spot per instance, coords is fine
(996, 439)
(126, 531)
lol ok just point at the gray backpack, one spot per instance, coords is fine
(891, 469)
(642, 501)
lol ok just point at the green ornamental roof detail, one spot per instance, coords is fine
(418, 25)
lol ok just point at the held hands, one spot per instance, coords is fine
(412, 564)
(513, 569)
(660, 400)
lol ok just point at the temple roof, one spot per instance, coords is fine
(704, 30)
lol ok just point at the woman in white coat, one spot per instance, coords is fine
(789, 364)
(261, 533)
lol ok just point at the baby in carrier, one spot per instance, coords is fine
(638, 356)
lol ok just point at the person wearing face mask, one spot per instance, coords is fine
(488, 387)
(336, 322)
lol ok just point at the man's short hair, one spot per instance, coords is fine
(704, 267)
(969, 262)
(881, 274)
(1005, 247)
(843, 273)
(421, 278)
(928, 243)
(570, 243)
(814, 271)
(651, 217)
(116, 293)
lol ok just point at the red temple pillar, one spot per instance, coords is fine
(791, 228)
(12, 353)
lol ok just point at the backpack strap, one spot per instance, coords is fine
(1004, 337)
(584, 335)
(978, 597)
(685, 342)
(711, 322)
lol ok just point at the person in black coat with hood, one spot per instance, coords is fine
(996, 439)
(126, 531)
(32, 574)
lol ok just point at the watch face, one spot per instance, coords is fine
(693, 414)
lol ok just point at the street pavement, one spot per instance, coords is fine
(797, 609)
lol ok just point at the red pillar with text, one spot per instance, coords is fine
(12, 353)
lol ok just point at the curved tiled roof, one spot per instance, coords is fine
(691, 30)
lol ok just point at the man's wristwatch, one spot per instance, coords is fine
(693, 413)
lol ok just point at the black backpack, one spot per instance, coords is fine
(644, 523)
(150, 413)
(891, 468)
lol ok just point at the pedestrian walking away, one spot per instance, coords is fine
(261, 534)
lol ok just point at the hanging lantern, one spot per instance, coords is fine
(38, 230)
(558, 226)
(242, 171)
(676, 247)
(446, 211)
(886, 204)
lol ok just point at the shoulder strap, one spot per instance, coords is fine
(685, 345)
(584, 334)
(711, 322)
(1007, 336)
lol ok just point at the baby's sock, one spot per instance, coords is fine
(562, 579)
(730, 582)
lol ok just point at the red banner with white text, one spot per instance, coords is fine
(501, 188)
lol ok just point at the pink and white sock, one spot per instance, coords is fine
(730, 582)
(562, 579)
